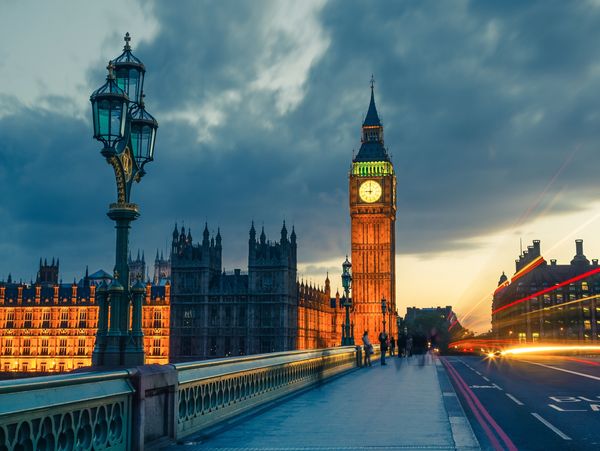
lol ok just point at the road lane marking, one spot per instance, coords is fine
(498, 387)
(560, 409)
(514, 399)
(552, 427)
(479, 411)
(485, 378)
(564, 370)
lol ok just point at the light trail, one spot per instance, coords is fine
(562, 304)
(553, 348)
(527, 268)
(548, 290)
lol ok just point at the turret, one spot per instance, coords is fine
(503, 279)
(263, 237)
(283, 233)
(252, 238)
(205, 235)
(218, 240)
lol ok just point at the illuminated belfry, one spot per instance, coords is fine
(545, 301)
(372, 196)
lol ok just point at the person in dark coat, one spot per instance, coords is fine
(383, 342)
(392, 345)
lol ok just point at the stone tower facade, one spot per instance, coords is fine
(372, 196)
(48, 273)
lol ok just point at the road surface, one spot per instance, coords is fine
(530, 403)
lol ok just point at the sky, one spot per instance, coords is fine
(491, 112)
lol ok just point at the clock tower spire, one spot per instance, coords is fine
(372, 196)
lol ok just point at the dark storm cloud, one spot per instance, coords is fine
(482, 103)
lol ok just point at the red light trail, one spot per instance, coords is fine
(548, 290)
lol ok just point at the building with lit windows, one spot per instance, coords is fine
(545, 301)
(49, 326)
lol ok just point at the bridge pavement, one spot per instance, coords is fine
(394, 407)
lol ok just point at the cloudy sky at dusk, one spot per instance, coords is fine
(491, 113)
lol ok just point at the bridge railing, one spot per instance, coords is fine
(72, 411)
(130, 408)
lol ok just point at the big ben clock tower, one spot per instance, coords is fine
(373, 218)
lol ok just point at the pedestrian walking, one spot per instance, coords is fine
(383, 342)
(402, 345)
(392, 346)
(367, 349)
(409, 345)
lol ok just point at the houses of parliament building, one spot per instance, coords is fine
(192, 309)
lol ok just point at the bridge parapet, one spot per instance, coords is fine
(127, 409)
(71, 411)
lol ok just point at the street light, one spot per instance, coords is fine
(347, 334)
(383, 311)
(128, 133)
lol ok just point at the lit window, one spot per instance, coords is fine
(10, 319)
(46, 319)
(156, 350)
(44, 350)
(28, 319)
(64, 319)
(62, 349)
(81, 346)
(157, 319)
(8, 347)
(83, 319)
(27, 346)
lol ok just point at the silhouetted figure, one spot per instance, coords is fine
(367, 349)
(409, 345)
(392, 345)
(383, 341)
(402, 345)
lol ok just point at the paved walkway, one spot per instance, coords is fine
(397, 406)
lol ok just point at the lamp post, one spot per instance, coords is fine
(347, 333)
(127, 133)
(383, 312)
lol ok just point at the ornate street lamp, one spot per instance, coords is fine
(128, 133)
(383, 312)
(347, 333)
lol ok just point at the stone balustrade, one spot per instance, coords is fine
(128, 409)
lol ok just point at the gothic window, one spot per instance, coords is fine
(28, 319)
(241, 319)
(10, 319)
(83, 319)
(64, 319)
(214, 316)
(157, 319)
(8, 347)
(27, 346)
(188, 315)
(156, 347)
(43, 367)
(46, 319)
(186, 345)
(212, 351)
(62, 348)
(81, 346)
(265, 316)
(228, 316)
(44, 346)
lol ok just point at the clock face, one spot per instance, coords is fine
(370, 191)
